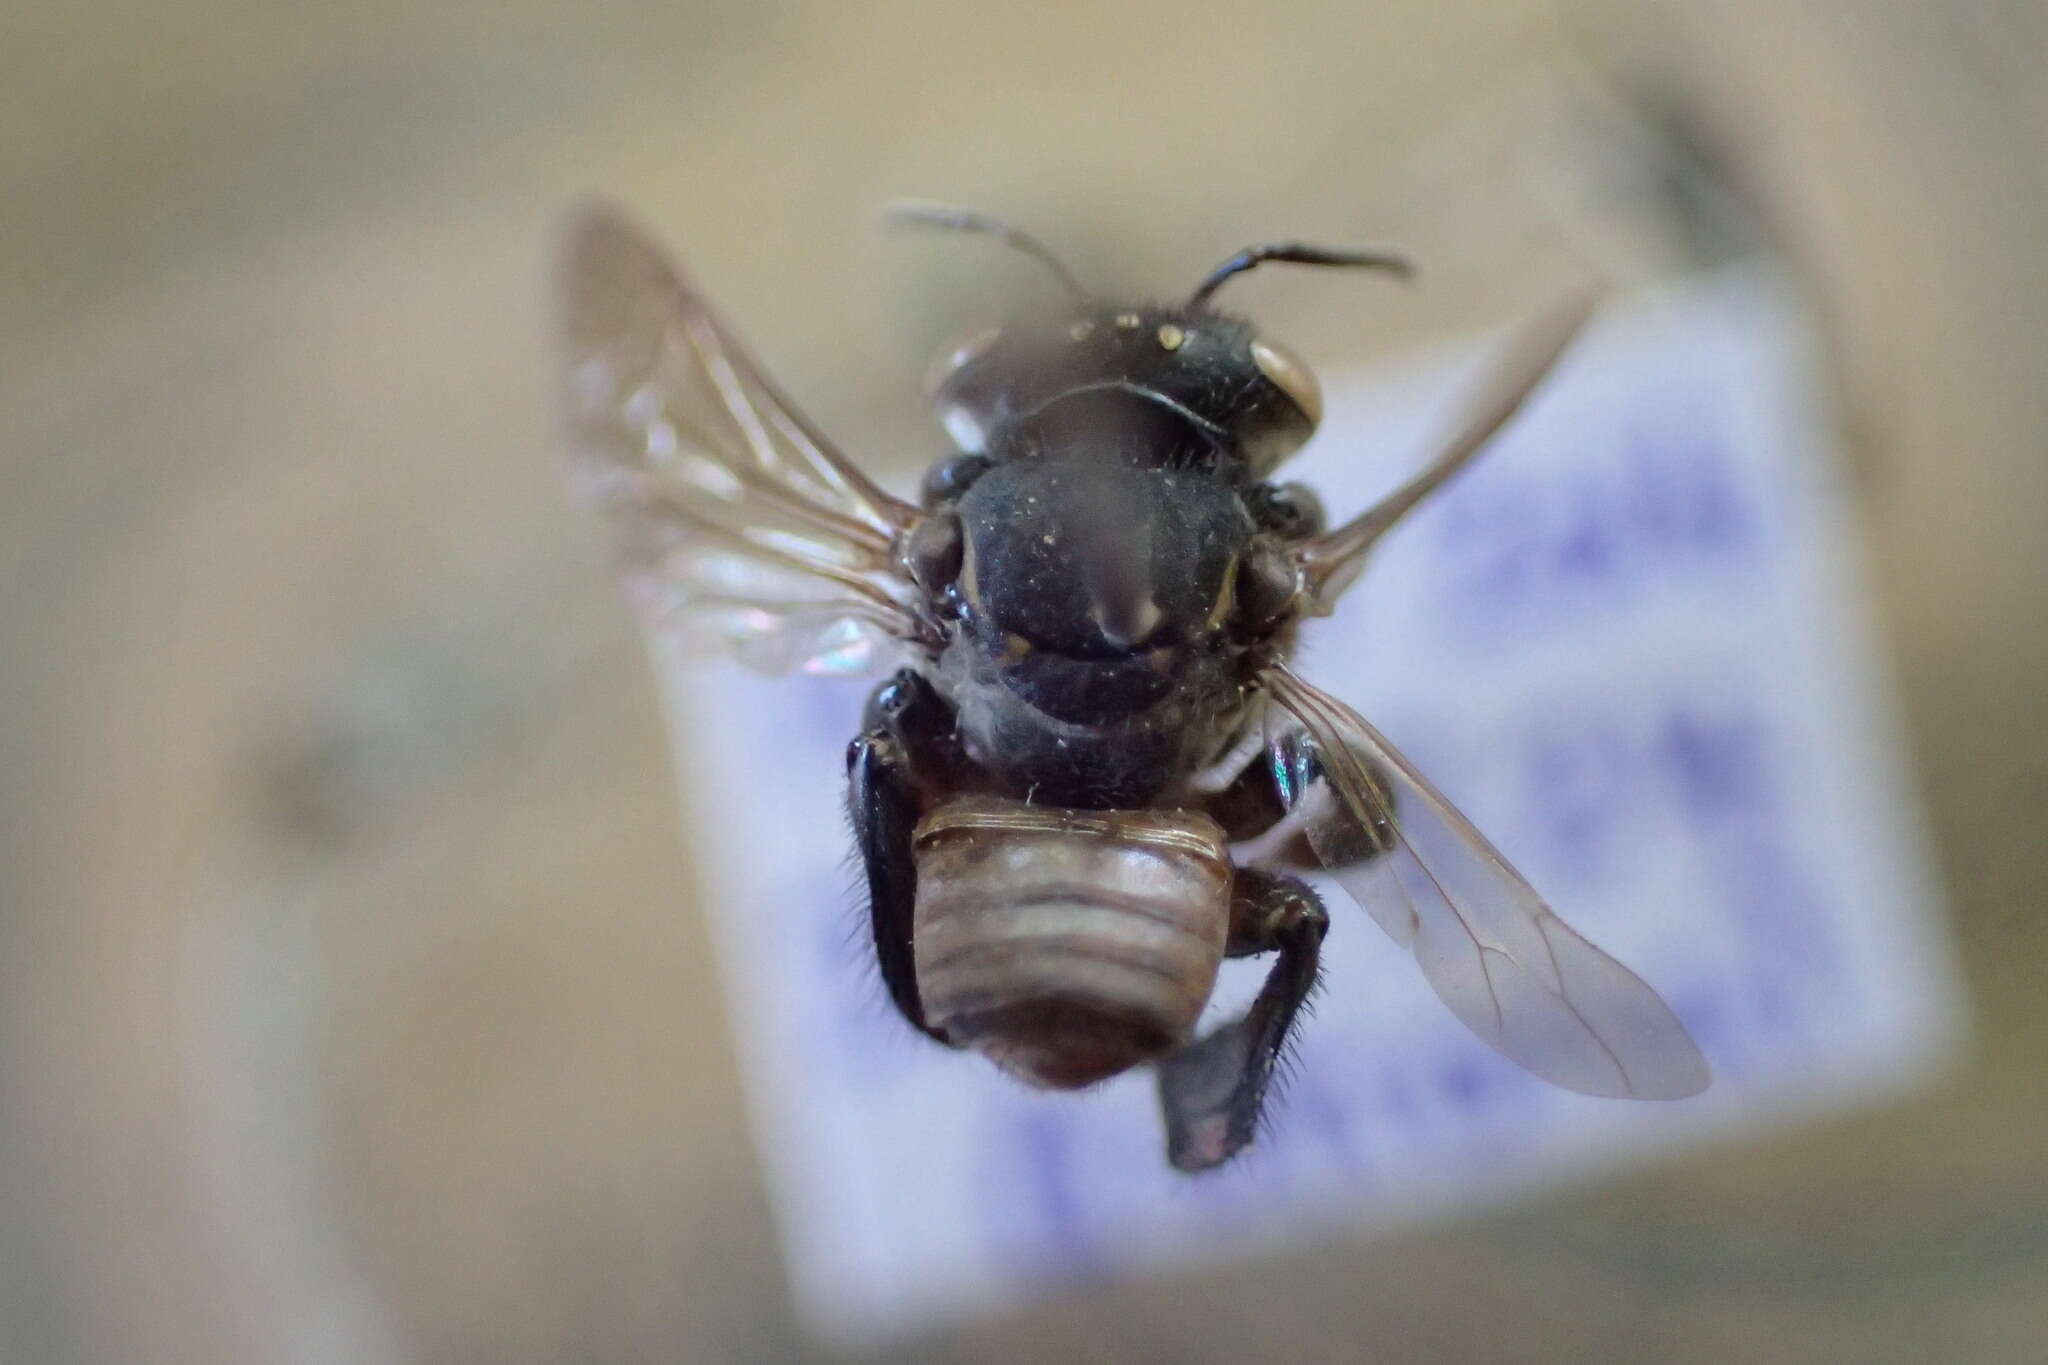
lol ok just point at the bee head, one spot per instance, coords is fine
(1192, 376)
(1253, 400)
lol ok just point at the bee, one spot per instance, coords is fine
(1090, 725)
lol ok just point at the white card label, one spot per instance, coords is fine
(1630, 642)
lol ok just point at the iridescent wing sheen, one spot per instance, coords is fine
(1508, 967)
(738, 521)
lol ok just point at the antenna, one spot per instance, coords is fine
(1301, 253)
(918, 213)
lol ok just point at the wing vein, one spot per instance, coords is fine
(728, 504)
(1560, 1007)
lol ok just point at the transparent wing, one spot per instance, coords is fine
(1331, 562)
(740, 524)
(1508, 967)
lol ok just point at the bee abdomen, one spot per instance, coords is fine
(1068, 945)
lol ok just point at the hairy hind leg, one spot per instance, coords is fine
(1212, 1090)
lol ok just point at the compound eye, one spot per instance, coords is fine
(963, 416)
(958, 357)
(1291, 375)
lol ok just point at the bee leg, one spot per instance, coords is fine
(1211, 1091)
(882, 797)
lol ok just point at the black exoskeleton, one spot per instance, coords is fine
(1071, 799)
(1114, 572)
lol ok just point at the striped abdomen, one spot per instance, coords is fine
(1068, 945)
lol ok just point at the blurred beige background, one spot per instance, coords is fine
(351, 1002)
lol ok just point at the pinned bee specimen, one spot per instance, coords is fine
(1086, 618)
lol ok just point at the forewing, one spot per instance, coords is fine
(738, 521)
(1516, 974)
